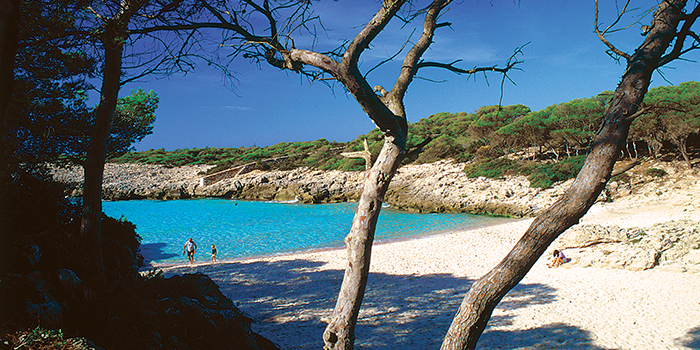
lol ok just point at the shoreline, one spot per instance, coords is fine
(427, 235)
(416, 285)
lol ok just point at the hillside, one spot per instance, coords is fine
(547, 145)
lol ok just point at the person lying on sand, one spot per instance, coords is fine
(558, 258)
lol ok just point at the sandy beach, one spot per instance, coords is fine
(415, 288)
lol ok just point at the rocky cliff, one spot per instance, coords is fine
(435, 187)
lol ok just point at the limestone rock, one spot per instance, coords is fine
(673, 243)
(441, 186)
(197, 298)
(32, 301)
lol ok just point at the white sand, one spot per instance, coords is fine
(415, 288)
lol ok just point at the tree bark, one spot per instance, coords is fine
(389, 113)
(89, 245)
(479, 303)
(9, 30)
(340, 332)
(682, 146)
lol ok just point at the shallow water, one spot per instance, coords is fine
(246, 228)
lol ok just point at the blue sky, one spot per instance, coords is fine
(563, 60)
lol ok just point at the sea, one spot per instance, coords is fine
(241, 229)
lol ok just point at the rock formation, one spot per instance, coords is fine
(436, 187)
(673, 245)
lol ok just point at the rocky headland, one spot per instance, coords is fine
(436, 187)
(443, 187)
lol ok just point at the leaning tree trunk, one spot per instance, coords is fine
(340, 332)
(89, 245)
(479, 303)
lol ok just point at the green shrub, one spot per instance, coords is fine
(621, 178)
(488, 152)
(656, 172)
(545, 175)
(493, 168)
(120, 246)
(37, 338)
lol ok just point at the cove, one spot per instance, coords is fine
(246, 228)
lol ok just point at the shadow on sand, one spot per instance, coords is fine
(691, 339)
(290, 299)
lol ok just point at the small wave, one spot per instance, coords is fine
(295, 200)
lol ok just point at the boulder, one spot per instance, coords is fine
(196, 299)
(671, 243)
(32, 254)
(69, 280)
(32, 301)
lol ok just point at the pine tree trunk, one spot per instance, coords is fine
(478, 305)
(9, 29)
(339, 333)
(89, 245)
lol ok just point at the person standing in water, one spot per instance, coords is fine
(190, 248)
(213, 253)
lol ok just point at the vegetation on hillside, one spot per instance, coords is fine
(547, 145)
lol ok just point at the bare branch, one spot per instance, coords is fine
(370, 31)
(364, 154)
(96, 14)
(601, 35)
(511, 64)
(411, 62)
(450, 66)
(315, 59)
(392, 57)
(418, 148)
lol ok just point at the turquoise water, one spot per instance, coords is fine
(243, 228)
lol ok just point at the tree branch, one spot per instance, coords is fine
(418, 148)
(390, 58)
(364, 154)
(680, 39)
(601, 35)
(370, 31)
(411, 61)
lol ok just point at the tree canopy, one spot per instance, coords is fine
(49, 118)
(564, 129)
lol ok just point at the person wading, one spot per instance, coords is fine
(190, 248)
